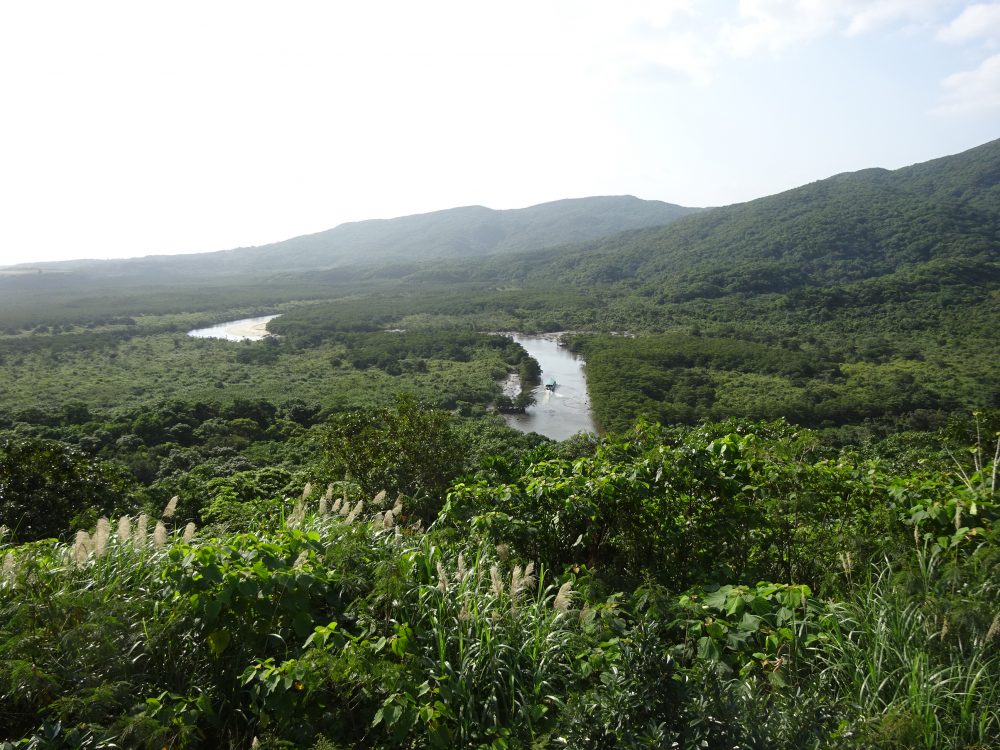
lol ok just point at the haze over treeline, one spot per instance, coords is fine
(140, 130)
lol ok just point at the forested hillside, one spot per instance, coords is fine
(457, 232)
(844, 229)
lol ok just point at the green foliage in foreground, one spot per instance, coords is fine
(731, 585)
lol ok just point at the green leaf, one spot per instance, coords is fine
(212, 610)
(717, 599)
(736, 639)
(736, 606)
(302, 623)
(750, 622)
(708, 650)
(716, 630)
(219, 640)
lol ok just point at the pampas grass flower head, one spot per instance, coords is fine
(171, 507)
(496, 582)
(994, 630)
(516, 582)
(528, 579)
(159, 535)
(356, 511)
(189, 532)
(140, 530)
(124, 529)
(101, 535)
(81, 548)
(564, 597)
(297, 516)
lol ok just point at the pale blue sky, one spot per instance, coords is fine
(132, 128)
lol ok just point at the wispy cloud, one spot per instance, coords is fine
(864, 16)
(972, 91)
(683, 38)
(773, 25)
(646, 39)
(688, 42)
(979, 21)
(977, 91)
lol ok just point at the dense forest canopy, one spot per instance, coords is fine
(784, 536)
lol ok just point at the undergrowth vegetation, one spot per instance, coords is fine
(728, 585)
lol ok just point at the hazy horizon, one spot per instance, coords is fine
(3, 263)
(157, 131)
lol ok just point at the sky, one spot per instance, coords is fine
(134, 128)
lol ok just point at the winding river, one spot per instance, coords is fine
(565, 411)
(558, 414)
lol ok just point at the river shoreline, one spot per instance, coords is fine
(247, 329)
(557, 413)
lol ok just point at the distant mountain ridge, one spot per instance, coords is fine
(470, 231)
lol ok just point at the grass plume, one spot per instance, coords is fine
(141, 534)
(170, 508)
(564, 597)
(101, 535)
(124, 529)
(160, 535)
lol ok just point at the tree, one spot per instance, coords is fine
(46, 486)
(406, 448)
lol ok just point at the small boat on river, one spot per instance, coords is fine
(550, 384)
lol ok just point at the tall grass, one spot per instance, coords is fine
(907, 680)
(73, 621)
(489, 650)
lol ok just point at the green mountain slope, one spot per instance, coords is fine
(940, 217)
(471, 231)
